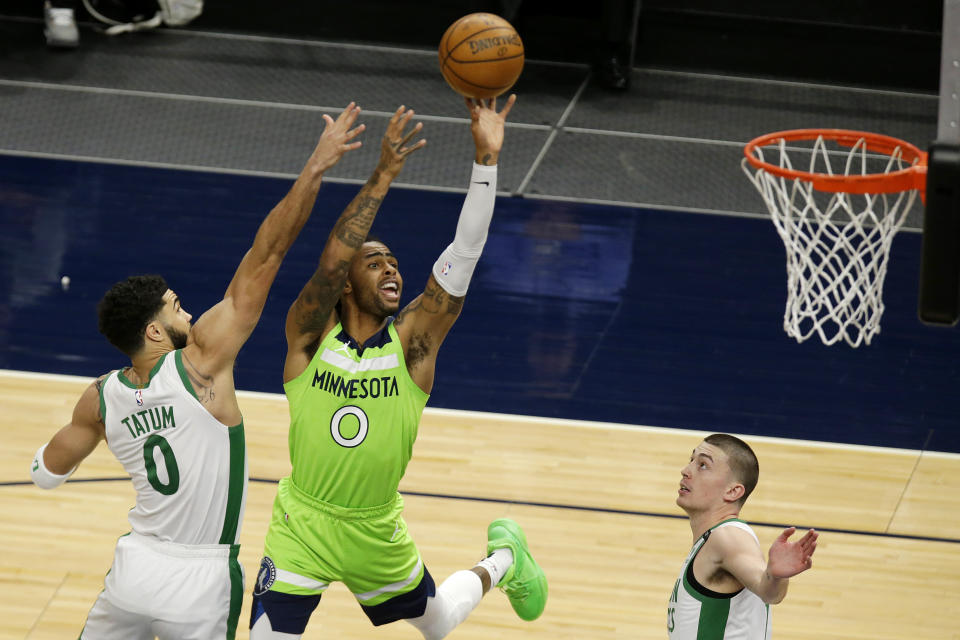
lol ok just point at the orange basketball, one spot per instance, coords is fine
(481, 55)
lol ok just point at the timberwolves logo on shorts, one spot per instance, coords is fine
(265, 577)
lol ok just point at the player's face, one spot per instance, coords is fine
(375, 279)
(705, 480)
(175, 320)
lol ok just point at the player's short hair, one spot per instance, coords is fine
(743, 461)
(127, 308)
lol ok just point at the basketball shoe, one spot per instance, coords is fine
(60, 27)
(524, 583)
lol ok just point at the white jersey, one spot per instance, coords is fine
(697, 613)
(189, 470)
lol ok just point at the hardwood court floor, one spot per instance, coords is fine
(595, 500)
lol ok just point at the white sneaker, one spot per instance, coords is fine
(60, 27)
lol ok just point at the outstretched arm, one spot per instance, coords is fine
(56, 460)
(218, 335)
(742, 558)
(311, 315)
(425, 322)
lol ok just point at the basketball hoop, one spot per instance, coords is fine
(837, 219)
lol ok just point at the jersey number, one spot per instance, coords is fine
(169, 461)
(338, 417)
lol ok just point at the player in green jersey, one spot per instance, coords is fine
(725, 586)
(357, 376)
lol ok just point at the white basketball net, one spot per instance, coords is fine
(837, 243)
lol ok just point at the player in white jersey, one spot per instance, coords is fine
(725, 586)
(173, 421)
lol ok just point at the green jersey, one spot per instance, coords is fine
(354, 414)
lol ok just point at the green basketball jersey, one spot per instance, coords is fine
(354, 414)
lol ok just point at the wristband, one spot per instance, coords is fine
(43, 477)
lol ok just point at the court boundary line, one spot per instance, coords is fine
(563, 422)
(906, 485)
(554, 132)
(566, 507)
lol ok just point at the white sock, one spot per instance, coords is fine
(497, 564)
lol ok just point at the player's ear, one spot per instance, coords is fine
(734, 492)
(153, 332)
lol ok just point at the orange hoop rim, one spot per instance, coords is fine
(913, 177)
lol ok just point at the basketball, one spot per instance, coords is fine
(481, 55)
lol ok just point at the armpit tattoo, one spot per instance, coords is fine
(202, 383)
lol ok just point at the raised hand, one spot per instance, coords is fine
(336, 138)
(395, 146)
(487, 127)
(786, 559)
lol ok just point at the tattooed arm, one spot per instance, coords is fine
(73, 442)
(422, 326)
(216, 338)
(311, 315)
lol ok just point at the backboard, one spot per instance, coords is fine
(939, 301)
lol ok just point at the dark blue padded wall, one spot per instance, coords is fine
(576, 311)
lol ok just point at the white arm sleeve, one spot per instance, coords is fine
(454, 268)
(43, 477)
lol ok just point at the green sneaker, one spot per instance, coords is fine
(524, 583)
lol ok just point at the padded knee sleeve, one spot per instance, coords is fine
(456, 598)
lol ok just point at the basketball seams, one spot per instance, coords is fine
(473, 35)
(474, 84)
(513, 57)
(483, 35)
(447, 36)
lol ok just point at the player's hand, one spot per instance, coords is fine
(337, 138)
(487, 127)
(786, 559)
(396, 146)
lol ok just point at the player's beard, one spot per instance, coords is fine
(387, 308)
(372, 303)
(177, 337)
